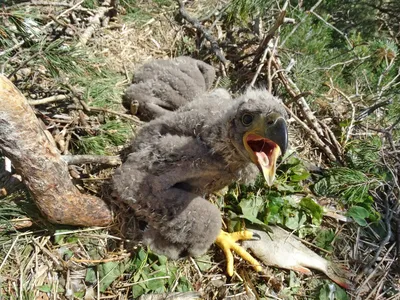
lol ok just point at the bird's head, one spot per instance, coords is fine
(259, 130)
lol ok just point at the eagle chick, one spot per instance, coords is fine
(161, 86)
(178, 158)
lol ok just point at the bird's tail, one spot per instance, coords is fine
(340, 275)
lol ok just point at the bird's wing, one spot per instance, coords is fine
(173, 159)
(160, 180)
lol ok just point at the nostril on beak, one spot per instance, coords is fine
(270, 122)
(272, 118)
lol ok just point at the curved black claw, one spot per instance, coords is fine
(255, 237)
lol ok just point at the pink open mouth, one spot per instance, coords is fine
(266, 153)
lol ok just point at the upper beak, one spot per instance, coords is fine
(265, 140)
(276, 131)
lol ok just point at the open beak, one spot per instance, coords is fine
(265, 140)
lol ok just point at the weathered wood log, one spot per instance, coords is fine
(39, 162)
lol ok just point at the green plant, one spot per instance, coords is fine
(103, 141)
(351, 187)
(281, 204)
(155, 274)
(241, 11)
(331, 291)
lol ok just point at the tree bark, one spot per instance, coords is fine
(39, 162)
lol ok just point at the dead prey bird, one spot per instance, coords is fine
(160, 86)
(280, 249)
(176, 159)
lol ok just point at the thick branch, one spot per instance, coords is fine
(39, 163)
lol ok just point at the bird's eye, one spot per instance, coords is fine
(247, 119)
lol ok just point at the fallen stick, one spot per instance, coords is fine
(48, 99)
(16, 224)
(39, 163)
(95, 21)
(92, 159)
(135, 119)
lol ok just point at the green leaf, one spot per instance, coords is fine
(358, 214)
(324, 239)
(162, 259)
(108, 272)
(156, 285)
(59, 239)
(340, 294)
(324, 292)
(142, 255)
(313, 208)
(251, 207)
(252, 219)
(274, 208)
(299, 175)
(68, 254)
(184, 285)
(204, 262)
(295, 220)
(294, 280)
(283, 187)
(90, 275)
(44, 288)
(71, 239)
(137, 291)
(79, 294)
(329, 289)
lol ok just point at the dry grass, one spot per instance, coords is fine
(131, 44)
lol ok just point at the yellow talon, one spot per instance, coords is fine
(227, 242)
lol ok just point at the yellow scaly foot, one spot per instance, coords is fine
(227, 242)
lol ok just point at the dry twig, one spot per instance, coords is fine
(314, 127)
(270, 34)
(95, 21)
(214, 44)
(313, 136)
(92, 159)
(48, 100)
(135, 119)
(100, 261)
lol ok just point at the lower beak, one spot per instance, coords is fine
(265, 142)
(268, 167)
